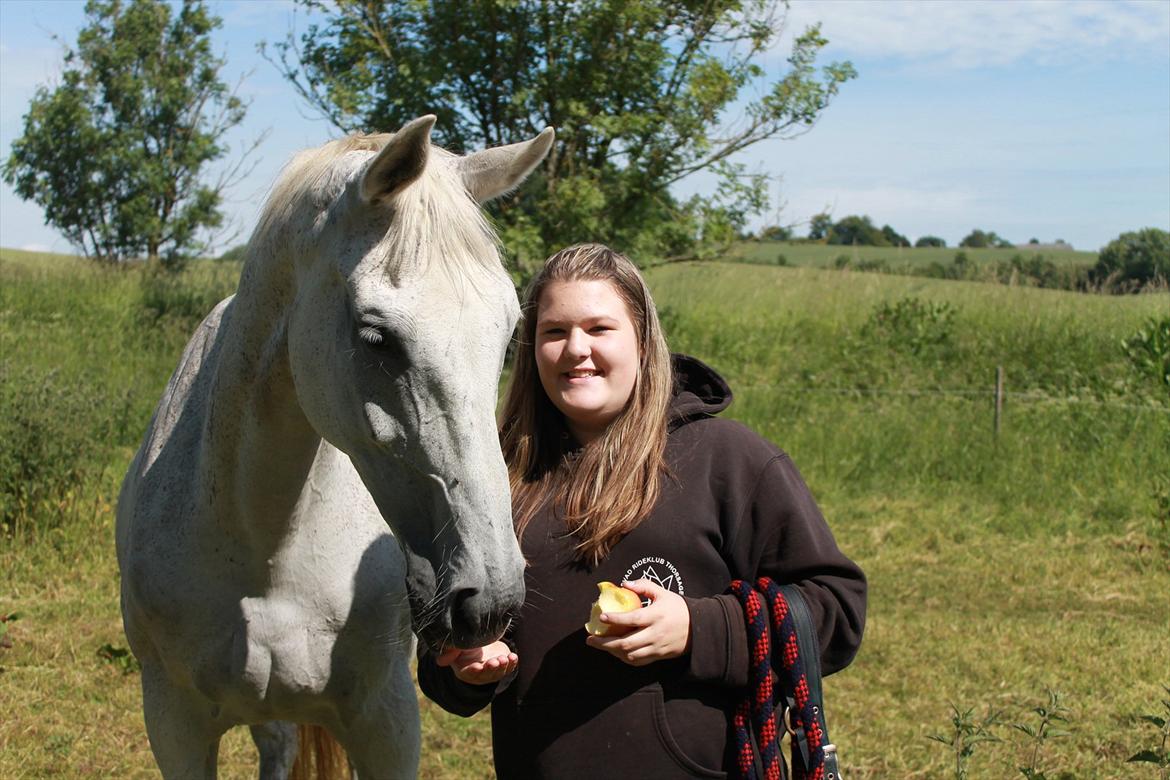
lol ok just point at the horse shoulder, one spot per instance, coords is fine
(156, 499)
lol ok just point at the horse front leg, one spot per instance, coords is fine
(184, 733)
(277, 742)
(383, 738)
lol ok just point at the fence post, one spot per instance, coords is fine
(998, 398)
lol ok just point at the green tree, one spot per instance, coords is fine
(776, 233)
(639, 93)
(1135, 258)
(893, 237)
(934, 241)
(979, 239)
(857, 230)
(115, 154)
(819, 226)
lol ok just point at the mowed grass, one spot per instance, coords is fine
(999, 566)
(825, 255)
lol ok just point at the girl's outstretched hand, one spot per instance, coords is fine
(480, 665)
(653, 633)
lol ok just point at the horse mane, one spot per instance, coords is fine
(434, 216)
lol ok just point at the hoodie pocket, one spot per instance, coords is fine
(583, 739)
(669, 742)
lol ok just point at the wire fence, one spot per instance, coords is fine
(997, 395)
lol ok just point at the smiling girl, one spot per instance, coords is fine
(621, 471)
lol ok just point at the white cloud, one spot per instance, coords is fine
(989, 33)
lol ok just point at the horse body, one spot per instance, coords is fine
(322, 473)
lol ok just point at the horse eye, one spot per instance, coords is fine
(372, 337)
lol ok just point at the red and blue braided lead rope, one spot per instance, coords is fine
(803, 717)
(765, 608)
(757, 712)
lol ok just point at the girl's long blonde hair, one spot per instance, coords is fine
(603, 491)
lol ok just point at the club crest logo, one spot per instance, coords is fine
(659, 571)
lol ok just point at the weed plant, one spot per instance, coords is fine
(1148, 350)
(1159, 756)
(1052, 721)
(967, 733)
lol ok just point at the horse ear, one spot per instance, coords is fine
(492, 172)
(401, 161)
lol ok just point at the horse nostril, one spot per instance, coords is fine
(479, 614)
(464, 607)
(470, 617)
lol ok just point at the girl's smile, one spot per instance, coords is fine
(586, 353)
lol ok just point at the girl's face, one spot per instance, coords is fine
(586, 353)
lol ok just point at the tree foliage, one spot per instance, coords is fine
(776, 233)
(819, 226)
(1135, 258)
(980, 239)
(639, 93)
(115, 154)
(893, 237)
(860, 231)
(930, 241)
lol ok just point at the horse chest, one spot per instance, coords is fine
(328, 620)
(278, 651)
(282, 651)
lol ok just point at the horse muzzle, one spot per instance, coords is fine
(468, 605)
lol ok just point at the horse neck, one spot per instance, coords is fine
(259, 446)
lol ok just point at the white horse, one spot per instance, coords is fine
(323, 472)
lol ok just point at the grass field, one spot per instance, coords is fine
(1000, 566)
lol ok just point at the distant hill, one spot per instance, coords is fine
(826, 256)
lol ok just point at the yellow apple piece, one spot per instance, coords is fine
(612, 598)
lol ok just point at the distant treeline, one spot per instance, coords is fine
(1034, 271)
(1132, 262)
(859, 230)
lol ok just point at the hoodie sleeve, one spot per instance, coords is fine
(802, 551)
(719, 652)
(781, 535)
(442, 687)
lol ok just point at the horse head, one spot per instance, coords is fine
(397, 336)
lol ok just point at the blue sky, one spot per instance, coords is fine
(1039, 120)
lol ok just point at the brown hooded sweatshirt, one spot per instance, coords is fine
(733, 507)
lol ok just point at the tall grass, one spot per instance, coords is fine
(85, 351)
(873, 407)
(1000, 566)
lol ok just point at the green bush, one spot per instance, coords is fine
(1134, 259)
(876, 265)
(1148, 350)
(912, 325)
(926, 241)
(46, 440)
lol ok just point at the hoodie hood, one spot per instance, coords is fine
(698, 391)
